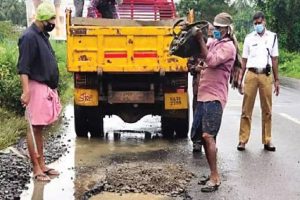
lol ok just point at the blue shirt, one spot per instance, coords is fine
(37, 58)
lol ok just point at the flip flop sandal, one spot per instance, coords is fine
(210, 187)
(51, 172)
(41, 177)
(203, 180)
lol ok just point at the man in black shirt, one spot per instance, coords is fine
(39, 74)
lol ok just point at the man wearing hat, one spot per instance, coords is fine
(39, 75)
(219, 57)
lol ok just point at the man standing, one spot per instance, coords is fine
(213, 91)
(195, 64)
(260, 54)
(79, 4)
(39, 78)
(104, 9)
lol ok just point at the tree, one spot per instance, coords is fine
(244, 10)
(13, 10)
(204, 10)
(283, 18)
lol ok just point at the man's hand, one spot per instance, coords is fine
(25, 97)
(199, 35)
(276, 89)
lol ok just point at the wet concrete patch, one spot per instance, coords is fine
(137, 179)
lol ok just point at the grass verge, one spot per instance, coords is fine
(12, 127)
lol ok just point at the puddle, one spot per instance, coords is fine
(82, 167)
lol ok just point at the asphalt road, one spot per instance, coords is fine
(252, 174)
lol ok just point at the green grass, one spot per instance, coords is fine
(12, 123)
(289, 64)
(12, 127)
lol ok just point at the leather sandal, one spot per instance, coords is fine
(210, 187)
(41, 177)
(203, 180)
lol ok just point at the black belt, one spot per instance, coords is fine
(257, 70)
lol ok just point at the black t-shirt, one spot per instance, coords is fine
(37, 58)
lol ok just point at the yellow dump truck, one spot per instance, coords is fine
(123, 67)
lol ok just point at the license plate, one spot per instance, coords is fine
(175, 101)
(131, 97)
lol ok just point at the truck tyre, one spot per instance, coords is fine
(167, 127)
(80, 120)
(95, 122)
(88, 119)
(182, 128)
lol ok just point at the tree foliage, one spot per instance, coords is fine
(204, 10)
(283, 17)
(243, 12)
(14, 11)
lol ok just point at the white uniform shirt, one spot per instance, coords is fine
(255, 49)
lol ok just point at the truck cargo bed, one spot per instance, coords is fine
(118, 45)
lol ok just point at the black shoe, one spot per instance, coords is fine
(269, 147)
(197, 147)
(241, 146)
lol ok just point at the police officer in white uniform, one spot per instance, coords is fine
(260, 58)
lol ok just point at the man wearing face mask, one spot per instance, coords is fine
(219, 57)
(260, 54)
(39, 74)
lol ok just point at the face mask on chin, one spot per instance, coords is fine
(259, 28)
(49, 27)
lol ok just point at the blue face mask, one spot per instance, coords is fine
(217, 34)
(259, 28)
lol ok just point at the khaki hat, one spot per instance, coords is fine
(45, 11)
(223, 19)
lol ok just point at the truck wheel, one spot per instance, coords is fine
(182, 128)
(81, 126)
(95, 121)
(88, 119)
(167, 127)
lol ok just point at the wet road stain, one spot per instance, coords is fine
(109, 195)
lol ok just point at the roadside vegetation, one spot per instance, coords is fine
(282, 18)
(12, 122)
